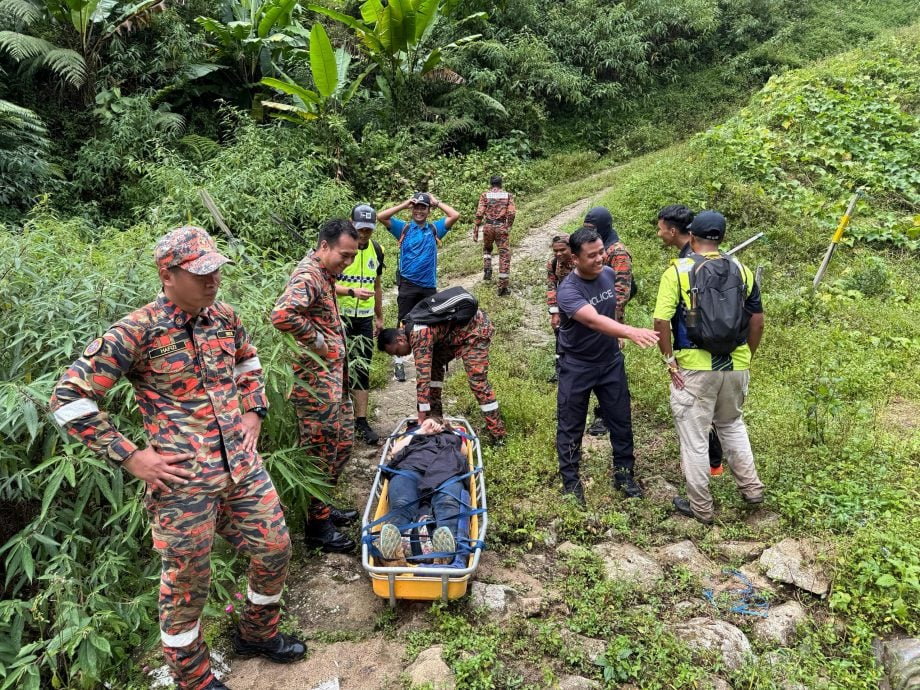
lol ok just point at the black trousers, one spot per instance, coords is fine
(577, 379)
(359, 336)
(408, 295)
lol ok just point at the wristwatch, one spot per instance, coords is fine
(261, 411)
(351, 292)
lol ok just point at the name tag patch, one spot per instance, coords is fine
(157, 352)
(226, 334)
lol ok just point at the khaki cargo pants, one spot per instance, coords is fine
(713, 398)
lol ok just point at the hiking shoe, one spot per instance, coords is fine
(598, 427)
(754, 500)
(364, 429)
(682, 506)
(399, 371)
(624, 482)
(487, 274)
(442, 540)
(282, 649)
(390, 541)
(215, 685)
(504, 291)
(340, 518)
(715, 471)
(322, 534)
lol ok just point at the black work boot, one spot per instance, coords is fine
(366, 432)
(598, 427)
(504, 291)
(322, 534)
(215, 685)
(282, 649)
(342, 517)
(487, 274)
(682, 506)
(623, 480)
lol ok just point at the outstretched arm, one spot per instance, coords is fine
(587, 315)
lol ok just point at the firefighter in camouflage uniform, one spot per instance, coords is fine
(495, 214)
(433, 347)
(557, 269)
(307, 309)
(199, 386)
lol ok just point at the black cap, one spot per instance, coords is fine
(363, 216)
(708, 225)
(421, 198)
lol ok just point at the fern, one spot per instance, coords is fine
(20, 10)
(24, 147)
(64, 63)
(68, 65)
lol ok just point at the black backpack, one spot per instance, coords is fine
(716, 319)
(455, 305)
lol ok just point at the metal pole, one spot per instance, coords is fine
(844, 221)
(745, 244)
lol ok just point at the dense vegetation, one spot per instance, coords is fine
(114, 116)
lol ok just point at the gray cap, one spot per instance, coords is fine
(363, 216)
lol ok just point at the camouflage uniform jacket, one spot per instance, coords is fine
(444, 341)
(191, 391)
(555, 271)
(619, 259)
(496, 207)
(308, 310)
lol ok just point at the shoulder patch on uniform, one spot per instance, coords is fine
(226, 334)
(93, 348)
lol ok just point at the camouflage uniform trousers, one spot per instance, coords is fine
(248, 515)
(475, 357)
(497, 234)
(327, 431)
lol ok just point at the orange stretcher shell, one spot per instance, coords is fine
(428, 583)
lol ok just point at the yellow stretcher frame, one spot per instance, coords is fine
(395, 583)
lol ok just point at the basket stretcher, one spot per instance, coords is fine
(427, 583)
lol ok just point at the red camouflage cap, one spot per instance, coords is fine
(190, 248)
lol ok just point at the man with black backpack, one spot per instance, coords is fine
(718, 317)
(448, 325)
(417, 265)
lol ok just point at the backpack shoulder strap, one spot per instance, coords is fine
(378, 250)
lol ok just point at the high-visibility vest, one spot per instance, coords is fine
(360, 274)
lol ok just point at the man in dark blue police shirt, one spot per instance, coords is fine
(590, 359)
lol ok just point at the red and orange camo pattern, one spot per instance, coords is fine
(556, 270)
(496, 211)
(192, 384)
(434, 346)
(309, 311)
(620, 260)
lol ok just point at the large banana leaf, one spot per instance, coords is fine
(370, 11)
(322, 62)
(295, 90)
(425, 13)
(277, 14)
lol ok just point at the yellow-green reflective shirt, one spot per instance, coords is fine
(362, 273)
(666, 309)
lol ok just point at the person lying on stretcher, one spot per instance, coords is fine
(424, 459)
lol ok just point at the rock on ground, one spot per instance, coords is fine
(740, 550)
(430, 668)
(686, 554)
(577, 683)
(705, 633)
(627, 563)
(793, 561)
(901, 660)
(659, 490)
(372, 664)
(780, 624)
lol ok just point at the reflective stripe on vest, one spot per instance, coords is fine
(361, 274)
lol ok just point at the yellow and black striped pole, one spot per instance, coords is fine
(836, 238)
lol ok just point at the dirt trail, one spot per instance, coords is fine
(329, 595)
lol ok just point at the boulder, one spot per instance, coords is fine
(725, 638)
(793, 561)
(577, 683)
(763, 520)
(627, 563)
(740, 550)
(493, 598)
(658, 490)
(568, 550)
(686, 554)
(780, 624)
(592, 648)
(429, 668)
(900, 658)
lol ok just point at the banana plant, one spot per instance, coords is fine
(399, 38)
(329, 69)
